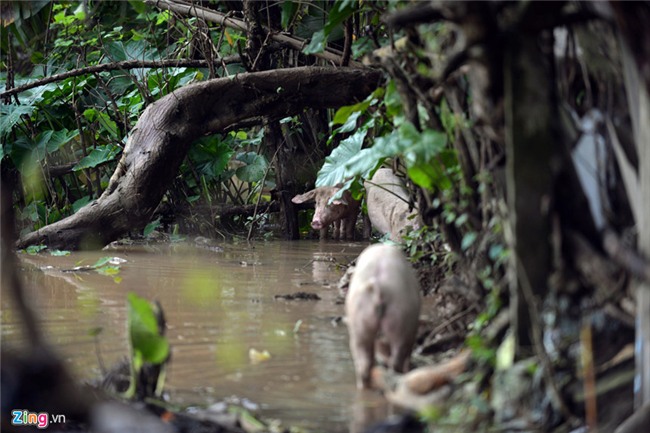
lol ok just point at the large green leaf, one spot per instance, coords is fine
(78, 204)
(11, 114)
(343, 114)
(424, 154)
(316, 44)
(99, 155)
(342, 10)
(365, 162)
(23, 150)
(138, 6)
(255, 168)
(107, 124)
(334, 169)
(210, 156)
(289, 9)
(29, 99)
(145, 337)
(59, 138)
(427, 158)
(119, 51)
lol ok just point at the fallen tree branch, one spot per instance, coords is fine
(248, 210)
(166, 129)
(116, 66)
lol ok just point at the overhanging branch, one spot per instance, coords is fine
(116, 66)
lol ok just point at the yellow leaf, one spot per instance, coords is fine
(228, 38)
(256, 356)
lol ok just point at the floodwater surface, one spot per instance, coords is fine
(219, 305)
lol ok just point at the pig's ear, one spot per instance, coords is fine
(301, 198)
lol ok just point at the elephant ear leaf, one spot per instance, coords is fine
(97, 156)
(255, 168)
(334, 169)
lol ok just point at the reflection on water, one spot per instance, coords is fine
(218, 306)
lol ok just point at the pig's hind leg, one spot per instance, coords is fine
(400, 354)
(363, 324)
(400, 337)
(362, 348)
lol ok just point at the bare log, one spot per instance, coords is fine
(167, 128)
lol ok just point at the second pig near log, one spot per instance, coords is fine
(388, 205)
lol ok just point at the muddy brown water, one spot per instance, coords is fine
(219, 305)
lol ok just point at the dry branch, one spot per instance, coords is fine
(117, 66)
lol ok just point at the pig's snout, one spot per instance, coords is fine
(317, 222)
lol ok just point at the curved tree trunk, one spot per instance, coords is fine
(166, 129)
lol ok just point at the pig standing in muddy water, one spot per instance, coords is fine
(382, 308)
(388, 204)
(341, 213)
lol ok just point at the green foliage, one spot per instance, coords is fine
(378, 120)
(109, 266)
(83, 201)
(32, 250)
(340, 11)
(335, 169)
(255, 168)
(59, 253)
(149, 228)
(82, 121)
(468, 240)
(289, 10)
(147, 343)
(481, 349)
(210, 156)
(99, 155)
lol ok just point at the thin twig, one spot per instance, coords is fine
(259, 196)
(127, 64)
(538, 344)
(589, 377)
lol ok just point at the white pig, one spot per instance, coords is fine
(388, 204)
(382, 308)
(341, 213)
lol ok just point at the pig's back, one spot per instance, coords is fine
(387, 267)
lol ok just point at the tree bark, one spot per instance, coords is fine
(632, 24)
(530, 149)
(166, 129)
